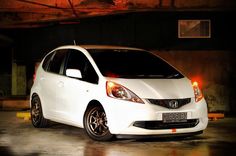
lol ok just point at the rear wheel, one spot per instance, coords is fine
(37, 118)
(95, 124)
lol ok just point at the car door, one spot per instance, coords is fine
(77, 92)
(51, 82)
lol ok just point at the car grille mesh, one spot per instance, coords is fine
(166, 102)
(155, 125)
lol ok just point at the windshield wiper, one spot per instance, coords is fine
(141, 76)
(176, 75)
(172, 75)
(151, 76)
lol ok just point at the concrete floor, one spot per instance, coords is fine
(18, 137)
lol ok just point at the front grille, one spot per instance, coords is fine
(155, 125)
(168, 102)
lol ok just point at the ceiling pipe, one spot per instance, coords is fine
(73, 9)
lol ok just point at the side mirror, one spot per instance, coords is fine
(75, 73)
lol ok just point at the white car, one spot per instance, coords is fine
(116, 91)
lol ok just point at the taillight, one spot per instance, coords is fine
(34, 77)
(35, 70)
(197, 91)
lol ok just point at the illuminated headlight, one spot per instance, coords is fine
(118, 91)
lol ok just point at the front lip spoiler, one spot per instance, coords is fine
(158, 136)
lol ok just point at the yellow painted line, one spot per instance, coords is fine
(215, 116)
(24, 115)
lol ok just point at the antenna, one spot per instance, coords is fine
(74, 42)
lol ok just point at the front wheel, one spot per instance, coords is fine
(95, 124)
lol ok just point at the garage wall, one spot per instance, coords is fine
(150, 30)
(215, 72)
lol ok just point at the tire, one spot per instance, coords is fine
(95, 124)
(37, 118)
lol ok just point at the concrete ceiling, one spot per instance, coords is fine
(37, 13)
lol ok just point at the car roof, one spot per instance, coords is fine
(87, 47)
(107, 47)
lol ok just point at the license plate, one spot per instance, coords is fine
(174, 117)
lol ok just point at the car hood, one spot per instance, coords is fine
(158, 88)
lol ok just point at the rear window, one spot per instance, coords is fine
(54, 62)
(124, 63)
(46, 61)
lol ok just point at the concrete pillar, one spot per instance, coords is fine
(18, 79)
(14, 79)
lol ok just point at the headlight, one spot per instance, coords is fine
(197, 91)
(118, 91)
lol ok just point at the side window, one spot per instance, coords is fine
(47, 61)
(78, 60)
(57, 62)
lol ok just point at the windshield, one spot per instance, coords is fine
(125, 63)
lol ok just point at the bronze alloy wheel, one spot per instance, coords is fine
(37, 117)
(36, 112)
(96, 124)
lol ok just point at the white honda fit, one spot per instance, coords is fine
(116, 91)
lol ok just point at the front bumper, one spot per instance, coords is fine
(130, 118)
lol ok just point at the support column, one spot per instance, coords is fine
(18, 79)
